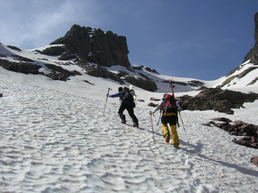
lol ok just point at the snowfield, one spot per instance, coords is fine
(55, 137)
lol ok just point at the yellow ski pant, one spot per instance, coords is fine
(166, 133)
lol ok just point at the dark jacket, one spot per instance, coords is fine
(124, 96)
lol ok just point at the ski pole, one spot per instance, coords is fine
(152, 128)
(170, 84)
(183, 126)
(106, 99)
(159, 118)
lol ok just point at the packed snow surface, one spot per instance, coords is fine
(56, 137)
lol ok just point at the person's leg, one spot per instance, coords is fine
(132, 115)
(165, 129)
(175, 139)
(165, 132)
(120, 112)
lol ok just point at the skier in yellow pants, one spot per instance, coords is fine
(169, 119)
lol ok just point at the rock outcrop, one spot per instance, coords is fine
(98, 71)
(23, 67)
(238, 128)
(231, 77)
(142, 83)
(54, 72)
(96, 46)
(253, 53)
(217, 99)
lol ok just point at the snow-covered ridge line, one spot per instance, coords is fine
(248, 82)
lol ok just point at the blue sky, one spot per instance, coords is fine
(202, 39)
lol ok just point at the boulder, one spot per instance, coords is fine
(154, 99)
(254, 160)
(151, 104)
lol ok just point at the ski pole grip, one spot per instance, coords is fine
(108, 93)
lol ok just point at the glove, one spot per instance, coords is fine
(151, 113)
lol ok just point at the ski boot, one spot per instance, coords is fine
(135, 124)
(123, 120)
(176, 146)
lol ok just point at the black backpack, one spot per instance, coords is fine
(129, 97)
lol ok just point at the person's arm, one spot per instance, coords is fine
(115, 95)
(157, 108)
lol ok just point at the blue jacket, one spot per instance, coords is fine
(123, 96)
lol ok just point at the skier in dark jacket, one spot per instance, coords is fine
(127, 102)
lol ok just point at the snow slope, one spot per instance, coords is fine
(242, 78)
(55, 137)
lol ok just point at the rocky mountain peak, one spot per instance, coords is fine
(95, 45)
(256, 27)
(253, 53)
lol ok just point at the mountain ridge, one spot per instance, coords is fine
(252, 55)
(105, 55)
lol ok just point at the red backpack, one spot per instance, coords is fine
(169, 104)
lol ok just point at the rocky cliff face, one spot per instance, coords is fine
(97, 46)
(253, 53)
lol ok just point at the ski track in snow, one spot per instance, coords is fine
(55, 142)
